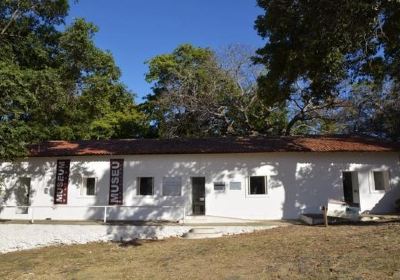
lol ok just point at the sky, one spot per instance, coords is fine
(136, 30)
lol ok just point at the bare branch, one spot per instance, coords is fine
(13, 18)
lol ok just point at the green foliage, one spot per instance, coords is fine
(314, 49)
(326, 67)
(195, 94)
(320, 42)
(191, 93)
(57, 84)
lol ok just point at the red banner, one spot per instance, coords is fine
(116, 181)
(62, 177)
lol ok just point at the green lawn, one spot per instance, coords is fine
(292, 252)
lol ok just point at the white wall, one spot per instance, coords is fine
(297, 183)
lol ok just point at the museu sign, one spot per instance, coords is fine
(116, 181)
(62, 177)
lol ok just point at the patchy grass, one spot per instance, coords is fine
(293, 252)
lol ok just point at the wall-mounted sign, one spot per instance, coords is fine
(172, 186)
(219, 186)
(62, 177)
(237, 186)
(116, 181)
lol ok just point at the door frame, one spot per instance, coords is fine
(355, 186)
(192, 196)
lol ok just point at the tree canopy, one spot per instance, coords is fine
(196, 94)
(326, 67)
(316, 52)
(57, 84)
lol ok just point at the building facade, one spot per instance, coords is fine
(278, 184)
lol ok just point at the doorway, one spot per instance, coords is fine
(22, 194)
(350, 188)
(198, 195)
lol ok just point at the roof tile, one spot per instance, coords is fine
(212, 145)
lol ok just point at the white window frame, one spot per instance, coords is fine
(138, 186)
(162, 186)
(266, 179)
(84, 188)
(372, 180)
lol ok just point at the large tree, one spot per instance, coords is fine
(371, 110)
(316, 51)
(54, 82)
(253, 116)
(196, 93)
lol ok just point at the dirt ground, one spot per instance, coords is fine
(292, 252)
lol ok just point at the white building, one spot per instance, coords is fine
(251, 178)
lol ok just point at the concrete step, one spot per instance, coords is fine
(215, 220)
(202, 233)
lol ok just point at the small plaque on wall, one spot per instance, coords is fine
(236, 186)
(172, 186)
(219, 186)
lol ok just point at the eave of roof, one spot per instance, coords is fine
(212, 146)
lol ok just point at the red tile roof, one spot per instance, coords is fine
(212, 146)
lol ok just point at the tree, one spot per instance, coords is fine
(191, 93)
(253, 116)
(386, 122)
(91, 80)
(314, 49)
(371, 110)
(27, 36)
(197, 93)
(57, 84)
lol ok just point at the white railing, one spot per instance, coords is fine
(105, 207)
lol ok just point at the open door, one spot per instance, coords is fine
(350, 188)
(199, 195)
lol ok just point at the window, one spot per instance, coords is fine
(381, 180)
(258, 185)
(172, 186)
(90, 186)
(219, 186)
(145, 186)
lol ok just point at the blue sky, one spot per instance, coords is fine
(136, 30)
